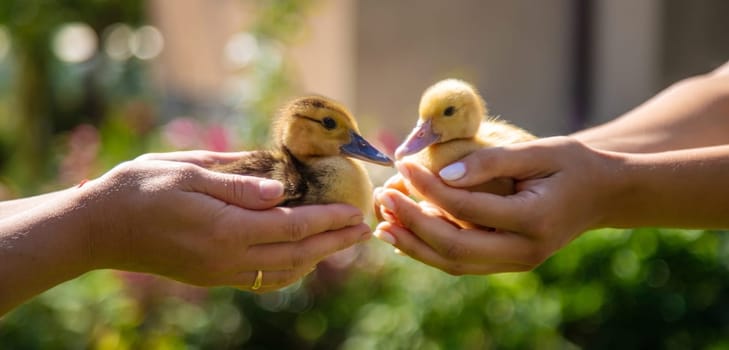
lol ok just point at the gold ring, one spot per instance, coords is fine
(259, 281)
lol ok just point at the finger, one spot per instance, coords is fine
(243, 191)
(307, 252)
(399, 183)
(519, 161)
(271, 279)
(396, 182)
(455, 243)
(480, 208)
(409, 244)
(376, 207)
(294, 224)
(403, 211)
(433, 210)
(198, 157)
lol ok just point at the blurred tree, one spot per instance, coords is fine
(31, 25)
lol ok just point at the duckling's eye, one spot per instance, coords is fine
(329, 123)
(449, 111)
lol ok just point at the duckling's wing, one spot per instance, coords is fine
(271, 165)
(495, 132)
(256, 163)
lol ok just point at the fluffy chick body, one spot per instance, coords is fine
(314, 140)
(454, 122)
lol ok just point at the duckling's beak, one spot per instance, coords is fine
(422, 136)
(359, 148)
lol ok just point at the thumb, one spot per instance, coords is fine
(248, 192)
(518, 161)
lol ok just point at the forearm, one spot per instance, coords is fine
(15, 206)
(691, 113)
(42, 247)
(684, 189)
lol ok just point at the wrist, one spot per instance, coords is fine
(608, 186)
(619, 189)
(102, 231)
(73, 228)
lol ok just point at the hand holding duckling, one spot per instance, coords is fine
(525, 222)
(566, 185)
(453, 123)
(167, 214)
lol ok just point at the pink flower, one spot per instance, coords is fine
(183, 133)
(217, 138)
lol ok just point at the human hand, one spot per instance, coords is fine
(562, 189)
(165, 214)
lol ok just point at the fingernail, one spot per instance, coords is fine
(387, 202)
(355, 220)
(365, 236)
(398, 252)
(402, 169)
(384, 236)
(387, 215)
(376, 192)
(452, 172)
(270, 189)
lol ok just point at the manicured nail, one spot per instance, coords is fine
(384, 236)
(270, 189)
(452, 172)
(387, 202)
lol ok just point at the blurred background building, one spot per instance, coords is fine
(551, 66)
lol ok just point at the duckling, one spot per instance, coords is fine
(454, 122)
(316, 152)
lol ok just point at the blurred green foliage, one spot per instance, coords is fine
(627, 289)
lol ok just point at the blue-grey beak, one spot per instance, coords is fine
(359, 148)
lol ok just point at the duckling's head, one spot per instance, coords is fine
(315, 126)
(450, 109)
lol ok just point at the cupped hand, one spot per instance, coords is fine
(562, 189)
(165, 214)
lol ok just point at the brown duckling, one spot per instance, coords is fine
(454, 122)
(316, 144)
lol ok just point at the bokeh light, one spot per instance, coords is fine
(147, 42)
(75, 42)
(117, 41)
(241, 49)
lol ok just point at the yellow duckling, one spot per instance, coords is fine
(453, 122)
(315, 140)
